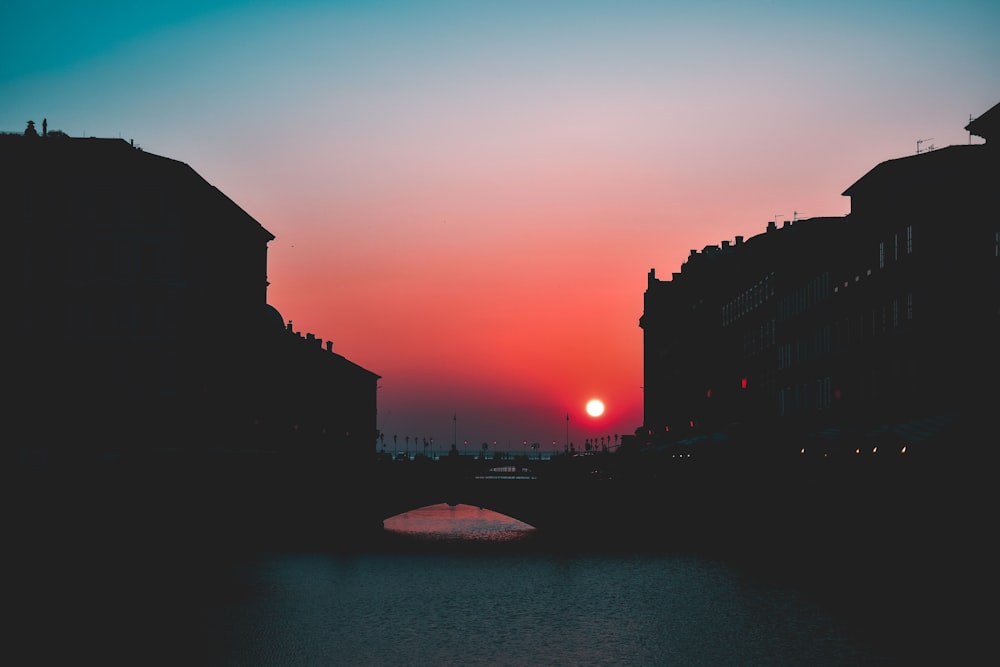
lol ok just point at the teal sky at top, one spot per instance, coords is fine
(40, 37)
(515, 161)
(95, 59)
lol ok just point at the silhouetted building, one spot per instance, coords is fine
(882, 320)
(137, 294)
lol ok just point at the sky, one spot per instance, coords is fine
(467, 197)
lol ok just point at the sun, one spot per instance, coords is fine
(595, 408)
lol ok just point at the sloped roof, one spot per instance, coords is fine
(939, 168)
(935, 168)
(47, 162)
(987, 124)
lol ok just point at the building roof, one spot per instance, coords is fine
(32, 162)
(987, 124)
(939, 169)
(946, 167)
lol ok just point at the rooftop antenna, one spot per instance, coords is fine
(795, 216)
(920, 141)
(776, 216)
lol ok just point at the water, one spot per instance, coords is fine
(465, 586)
(393, 609)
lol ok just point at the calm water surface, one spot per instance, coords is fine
(477, 607)
(410, 604)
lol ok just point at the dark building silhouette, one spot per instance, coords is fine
(884, 321)
(137, 298)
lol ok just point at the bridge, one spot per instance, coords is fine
(278, 500)
(539, 493)
(737, 503)
(590, 494)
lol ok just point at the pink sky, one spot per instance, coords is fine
(467, 201)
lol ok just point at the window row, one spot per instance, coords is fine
(896, 246)
(814, 395)
(749, 299)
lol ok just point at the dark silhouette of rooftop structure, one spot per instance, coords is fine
(139, 318)
(833, 335)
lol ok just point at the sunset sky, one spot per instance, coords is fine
(468, 196)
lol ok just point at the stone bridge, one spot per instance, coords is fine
(535, 494)
(689, 502)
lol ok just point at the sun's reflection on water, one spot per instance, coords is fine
(458, 523)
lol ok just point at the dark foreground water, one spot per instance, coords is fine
(457, 586)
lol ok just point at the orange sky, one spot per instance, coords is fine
(467, 198)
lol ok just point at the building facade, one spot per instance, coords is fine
(139, 317)
(883, 321)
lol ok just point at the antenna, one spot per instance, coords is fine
(920, 141)
(795, 215)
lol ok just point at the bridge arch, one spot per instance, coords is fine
(517, 499)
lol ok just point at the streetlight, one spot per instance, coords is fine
(567, 431)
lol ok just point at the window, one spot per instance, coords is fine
(881, 255)
(909, 239)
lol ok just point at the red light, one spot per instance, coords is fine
(743, 383)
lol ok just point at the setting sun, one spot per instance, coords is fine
(595, 408)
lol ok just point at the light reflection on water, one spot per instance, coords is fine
(459, 522)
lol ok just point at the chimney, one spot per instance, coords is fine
(771, 225)
(739, 240)
(329, 346)
(725, 245)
